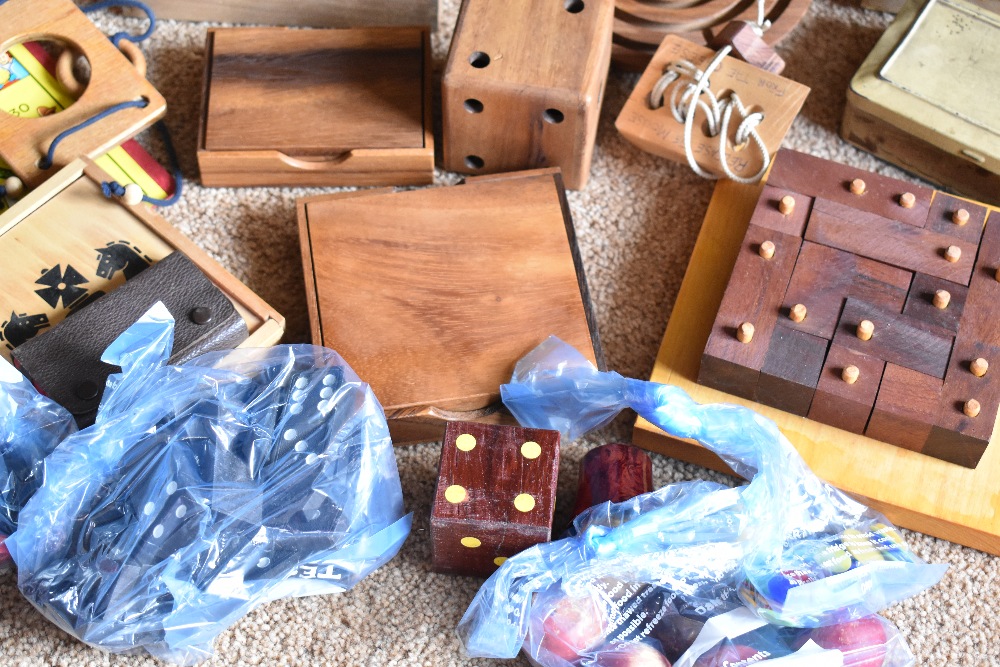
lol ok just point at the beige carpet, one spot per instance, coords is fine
(637, 222)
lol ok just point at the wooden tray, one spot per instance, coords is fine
(433, 295)
(924, 98)
(913, 490)
(316, 107)
(71, 243)
(113, 79)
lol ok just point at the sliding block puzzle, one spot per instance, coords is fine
(433, 295)
(53, 269)
(653, 128)
(512, 100)
(313, 13)
(912, 489)
(495, 495)
(893, 288)
(923, 98)
(316, 107)
(24, 141)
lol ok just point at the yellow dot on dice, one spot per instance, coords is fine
(531, 450)
(524, 502)
(455, 494)
(499, 560)
(466, 442)
(470, 542)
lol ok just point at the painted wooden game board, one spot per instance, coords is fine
(914, 490)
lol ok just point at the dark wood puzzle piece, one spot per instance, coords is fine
(905, 409)
(927, 303)
(845, 399)
(791, 370)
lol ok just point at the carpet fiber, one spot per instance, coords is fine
(637, 222)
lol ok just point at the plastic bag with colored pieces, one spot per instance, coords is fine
(205, 490)
(788, 546)
(31, 426)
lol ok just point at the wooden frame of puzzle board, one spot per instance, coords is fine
(915, 491)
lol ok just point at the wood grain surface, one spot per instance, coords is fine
(495, 495)
(914, 490)
(906, 408)
(315, 13)
(840, 404)
(316, 107)
(791, 370)
(113, 79)
(512, 101)
(458, 282)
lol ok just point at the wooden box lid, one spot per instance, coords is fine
(433, 295)
(65, 243)
(313, 92)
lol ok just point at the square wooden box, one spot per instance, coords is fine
(913, 490)
(433, 295)
(68, 229)
(925, 97)
(316, 107)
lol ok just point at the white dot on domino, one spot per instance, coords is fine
(148, 509)
(329, 380)
(171, 488)
(311, 459)
(301, 383)
(291, 434)
(158, 531)
(295, 409)
(298, 395)
(300, 446)
(181, 511)
(326, 393)
(263, 562)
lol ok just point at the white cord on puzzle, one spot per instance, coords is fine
(685, 100)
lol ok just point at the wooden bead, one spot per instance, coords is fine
(866, 329)
(797, 313)
(979, 367)
(941, 299)
(133, 194)
(786, 205)
(960, 217)
(744, 333)
(953, 253)
(907, 200)
(850, 374)
(858, 186)
(972, 408)
(766, 250)
(14, 187)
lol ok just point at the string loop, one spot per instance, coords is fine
(134, 4)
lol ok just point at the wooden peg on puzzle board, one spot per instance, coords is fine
(656, 130)
(495, 495)
(113, 80)
(527, 93)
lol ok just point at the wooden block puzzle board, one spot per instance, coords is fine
(316, 107)
(914, 490)
(65, 244)
(30, 89)
(433, 295)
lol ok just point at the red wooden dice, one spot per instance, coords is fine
(495, 495)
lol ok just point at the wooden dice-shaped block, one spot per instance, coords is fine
(526, 93)
(495, 495)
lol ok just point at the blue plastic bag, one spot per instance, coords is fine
(789, 547)
(31, 425)
(205, 490)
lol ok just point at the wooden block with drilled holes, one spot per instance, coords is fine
(824, 277)
(51, 269)
(923, 98)
(656, 131)
(313, 13)
(316, 107)
(843, 400)
(791, 370)
(434, 311)
(513, 101)
(731, 363)
(913, 489)
(495, 495)
(113, 80)
(905, 409)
